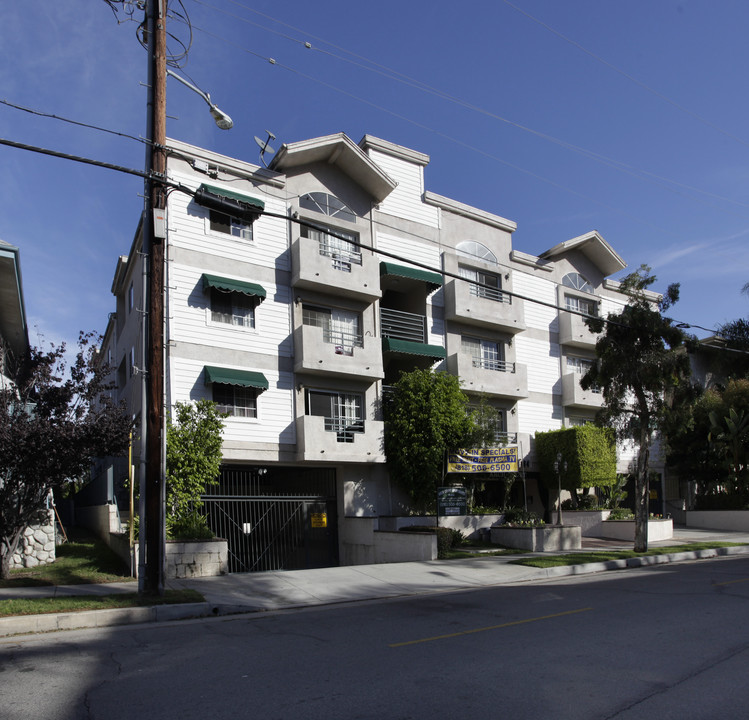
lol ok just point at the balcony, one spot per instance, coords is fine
(485, 307)
(574, 396)
(496, 378)
(318, 351)
(573, 331)
(323, 439)
(317, 266)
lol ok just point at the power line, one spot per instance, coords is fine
(389, 73)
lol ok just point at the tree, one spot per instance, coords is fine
(193, 462)
(638, 365)
(590, 454)
(54, 421)
(425, 416)
(733, 359)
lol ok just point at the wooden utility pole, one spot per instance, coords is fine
(153, 250)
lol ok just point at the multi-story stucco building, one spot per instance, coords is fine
(295, 332)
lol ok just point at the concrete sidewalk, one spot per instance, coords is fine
(258, 592)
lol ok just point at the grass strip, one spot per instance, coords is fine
(77, 603)
(468, 553)
(594, 556)
(83, 560)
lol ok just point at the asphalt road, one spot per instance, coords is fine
(662, 642)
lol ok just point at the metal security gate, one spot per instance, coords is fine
(275, 518)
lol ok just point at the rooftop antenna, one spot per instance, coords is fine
(265, 147)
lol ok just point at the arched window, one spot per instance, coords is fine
(327, 205)
(476, 250)
(577, 282)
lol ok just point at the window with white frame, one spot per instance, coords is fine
(483, 284)
(578, 421)
(473, 249)
(342, 412)
(579, 366)
(581, 305)
(577, 282)
(339, 327)
(222, 223)
(486, 354)
(337, 245)
(233, 308)
(328, 205)
(236, 400)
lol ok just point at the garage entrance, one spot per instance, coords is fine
(275, 518)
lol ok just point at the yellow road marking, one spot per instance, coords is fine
(733, 582)
(491, 627)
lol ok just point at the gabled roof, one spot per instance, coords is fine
(341, 151)
(594, 247)
(13, 325)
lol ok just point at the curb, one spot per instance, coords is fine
(51, 622)
(29, 624)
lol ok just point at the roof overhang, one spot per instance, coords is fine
(13, 325)
(341, 151)
(594, 247)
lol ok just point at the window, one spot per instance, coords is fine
(233, 308)
(236, 400)
(339, 327)
(473, 249)
(581, 305)
(578, 421)
(130, 298)
(219, 222)
(340, 249)
(580, 366)
(327, 205)
(494, 283)
(578, 282)
(486, 354)
(342, 412)
(131, 362)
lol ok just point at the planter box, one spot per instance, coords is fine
(470, 525)
(538, 539)
(590, 521)
(719, 519)
(625, 529)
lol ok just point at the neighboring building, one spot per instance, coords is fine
(37, 546)
(295, 333)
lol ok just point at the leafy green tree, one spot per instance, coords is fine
(590, 454)
(55, 420)
(425, 416)
(639, 364)
(733, 360)
(193, 462)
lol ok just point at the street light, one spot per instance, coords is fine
(559, 466)
(222, 119)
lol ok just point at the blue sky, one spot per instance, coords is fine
(562, 115)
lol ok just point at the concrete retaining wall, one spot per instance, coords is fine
(590, 522)
(625, 529)
(543, 538)
(363, 543)
(719, 519)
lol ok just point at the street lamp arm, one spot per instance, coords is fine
(221, 118)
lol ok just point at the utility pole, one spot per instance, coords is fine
(153, 251)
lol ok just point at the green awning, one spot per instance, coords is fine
(230, 376)
(433, 280)
(228, 285)
(231, 195)
(408, 347)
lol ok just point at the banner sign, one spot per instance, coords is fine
(484, 460)
(452, 501)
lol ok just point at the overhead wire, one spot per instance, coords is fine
(392, 74)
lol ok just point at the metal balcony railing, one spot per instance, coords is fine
(492, 364)
(344, 428)
(401, 325)
(344, 342)
(490, 294)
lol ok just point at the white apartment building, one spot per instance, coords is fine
(295, 332)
